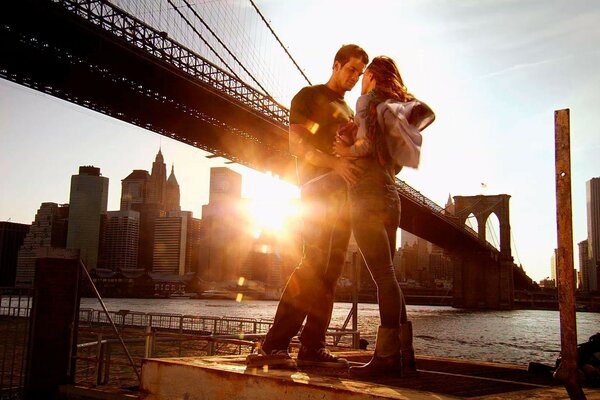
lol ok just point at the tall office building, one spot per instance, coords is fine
(223, 238)
(121, 235)
(134, 190)
(593, 224)
(172, 199)
(584, 261)
(157, 187)
(172, 243)
(12, 236)
(152, 195)
(88, 200)
(49, 229)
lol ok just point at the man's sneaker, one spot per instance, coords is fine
(275, 359)
(320, 358)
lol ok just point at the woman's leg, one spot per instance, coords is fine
(391, 229)
(373, 241)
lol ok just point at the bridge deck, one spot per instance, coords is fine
(227, 378)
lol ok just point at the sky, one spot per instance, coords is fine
(494, 71)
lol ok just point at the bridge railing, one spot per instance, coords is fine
(116, 21)
(419, 198)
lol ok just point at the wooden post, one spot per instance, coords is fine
(567, 370)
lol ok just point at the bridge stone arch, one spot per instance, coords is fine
(482, 206)
(481, 281)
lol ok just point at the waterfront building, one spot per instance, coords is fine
(121, 235)
(88, 200)
(12, 236)
(49, 229)
(440, 266)
(590, 272)
(172, 245)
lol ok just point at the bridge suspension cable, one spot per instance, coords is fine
(279, 41)
(189, 6)
(202, 38)
(514, 245)
(492, 231)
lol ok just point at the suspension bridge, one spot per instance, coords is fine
(162, 65)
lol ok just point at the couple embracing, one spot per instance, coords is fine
(346, 167)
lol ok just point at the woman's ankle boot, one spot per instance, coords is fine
(406, 347)
(386, 359)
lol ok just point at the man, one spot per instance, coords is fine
(316, 114)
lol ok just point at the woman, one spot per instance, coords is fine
(382, 141)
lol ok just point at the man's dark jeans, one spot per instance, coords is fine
(309, 292)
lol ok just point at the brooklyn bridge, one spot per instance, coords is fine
(143, 67)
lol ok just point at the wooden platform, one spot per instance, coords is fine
(228, 378)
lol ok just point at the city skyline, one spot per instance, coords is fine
(494, 72)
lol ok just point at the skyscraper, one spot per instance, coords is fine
(584, 262)
(171, 243)
(134, 190)
(157, 186)
(593, 225)
(11, 239)
(49, 229)
(222, 242)
(152, 195)
(121, 237)
(88, 200)
(172, 200)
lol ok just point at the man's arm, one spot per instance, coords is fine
(302, 149)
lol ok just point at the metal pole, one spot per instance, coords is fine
(137, 374)
(567, 370)
(355, 285)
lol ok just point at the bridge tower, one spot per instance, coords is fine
(481, 281)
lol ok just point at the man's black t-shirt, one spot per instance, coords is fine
(321, 111)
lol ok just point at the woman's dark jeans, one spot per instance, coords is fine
(375, 216)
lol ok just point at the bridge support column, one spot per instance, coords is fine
(482, 282)
(507, 284)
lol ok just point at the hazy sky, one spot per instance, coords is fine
(493, 71)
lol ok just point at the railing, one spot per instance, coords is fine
(174, 322)
(15, 306)
(101, 360)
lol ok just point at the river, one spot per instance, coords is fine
(516, 337)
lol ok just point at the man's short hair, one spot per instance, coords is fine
(347, 51)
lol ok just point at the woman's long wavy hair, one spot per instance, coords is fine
(389, 84)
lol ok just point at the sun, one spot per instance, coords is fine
(271, 202)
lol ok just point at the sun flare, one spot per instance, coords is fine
(271, 203)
